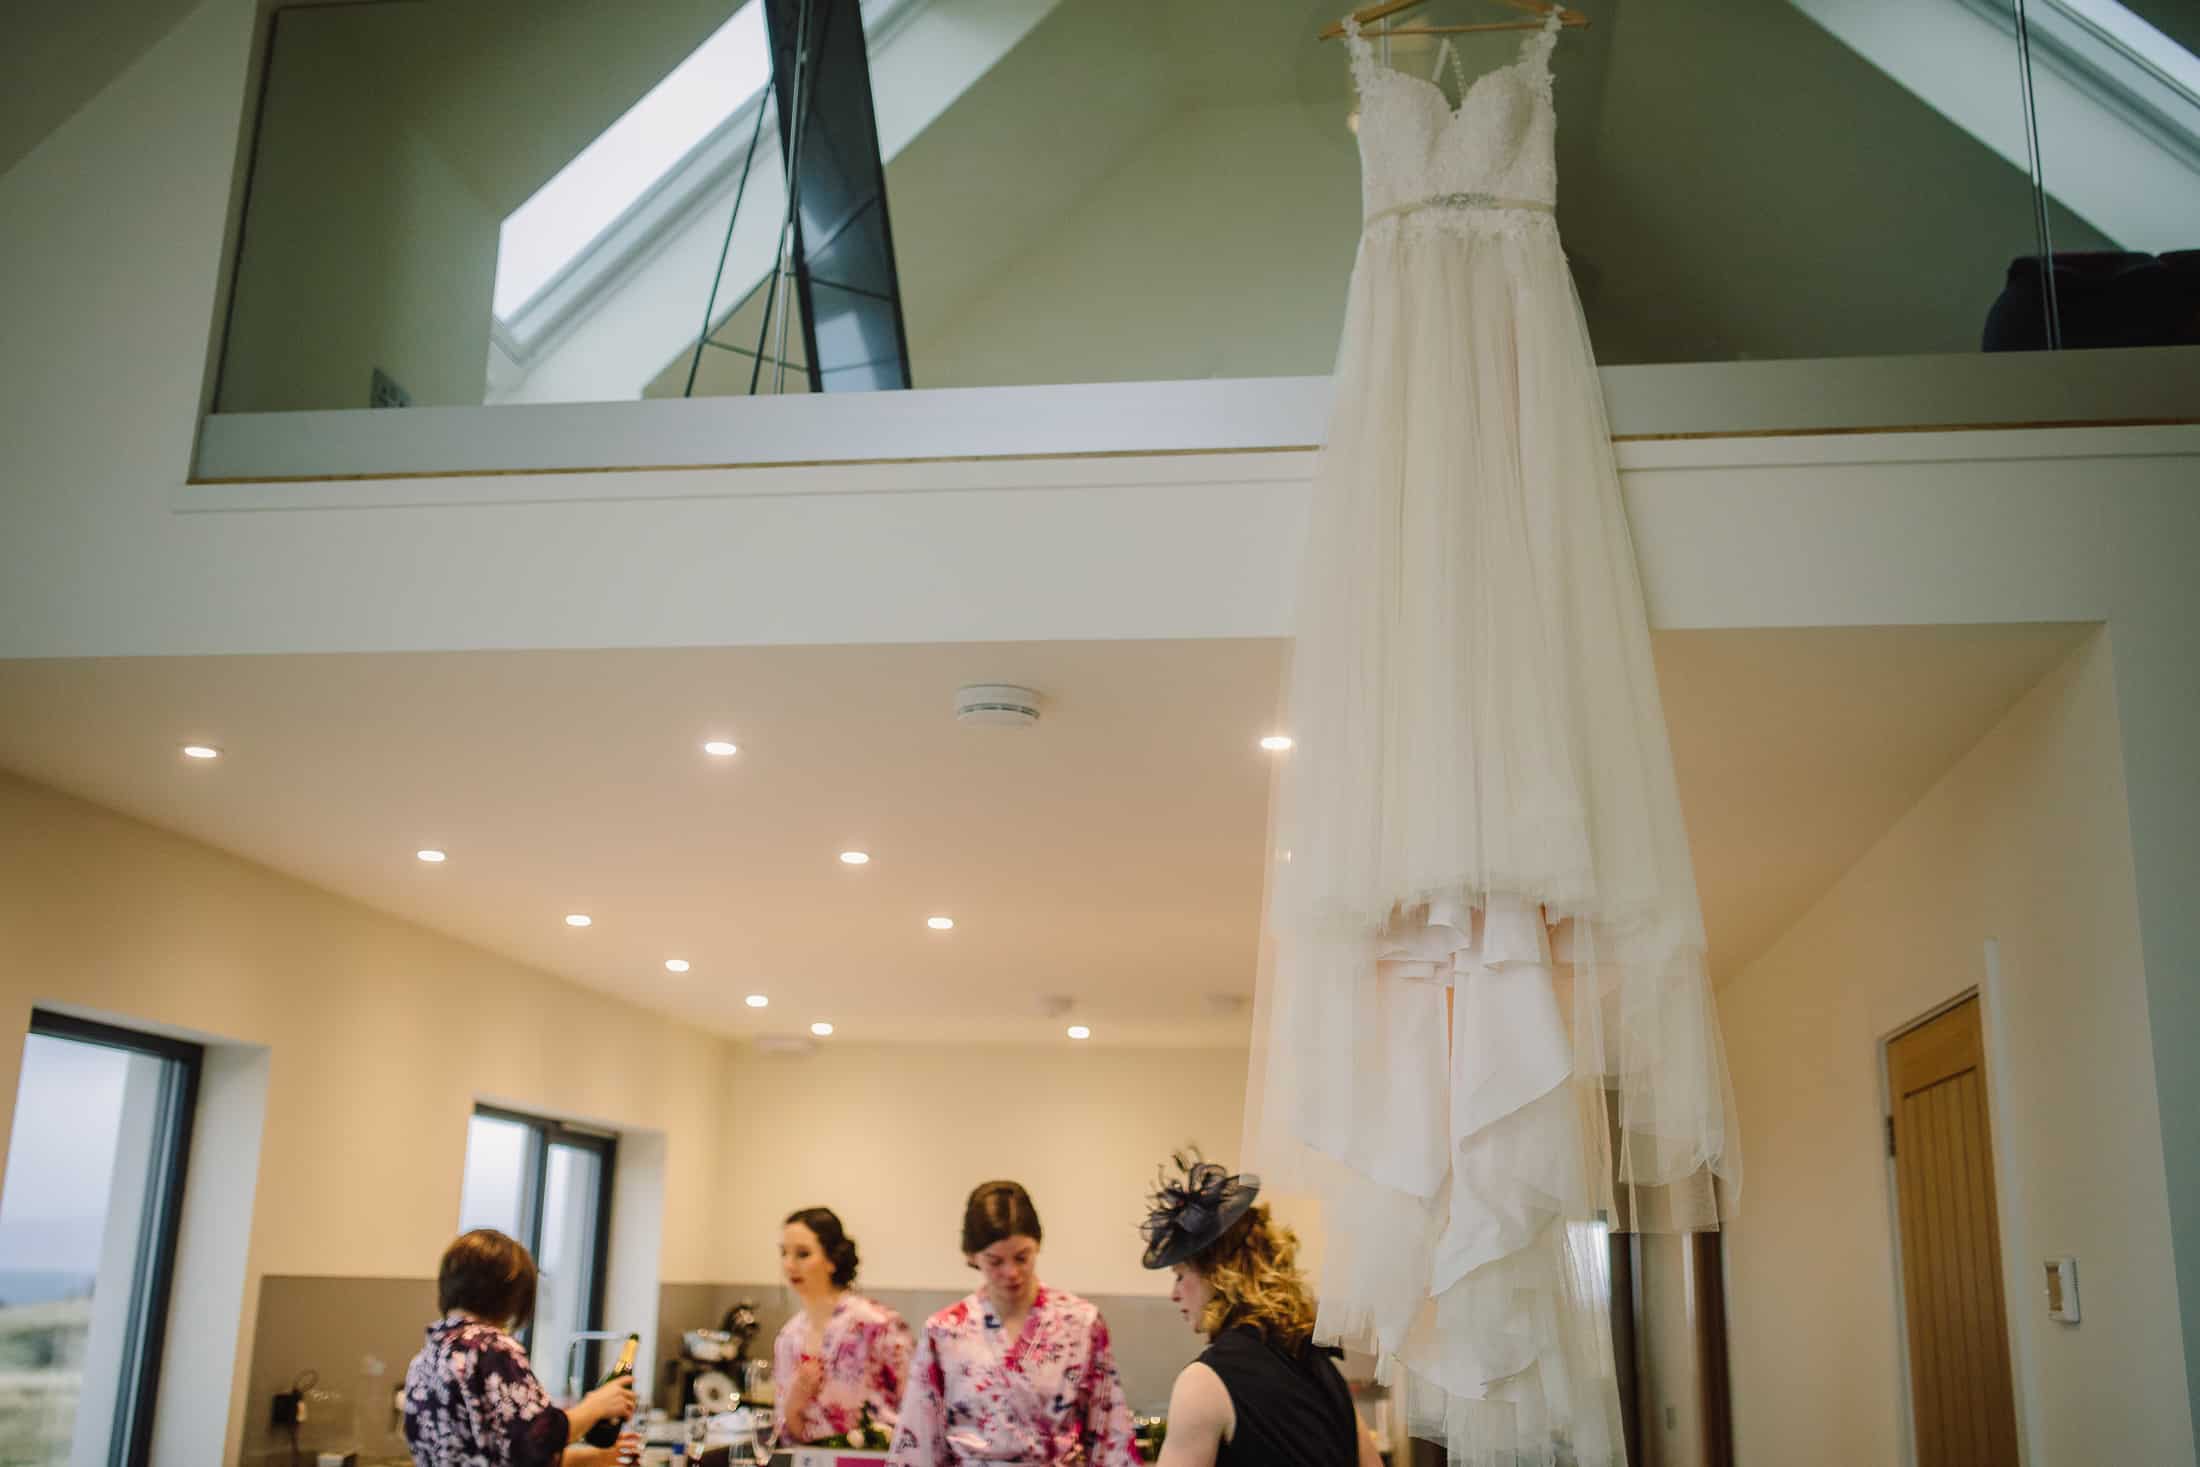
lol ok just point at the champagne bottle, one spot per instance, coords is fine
(606, 1432)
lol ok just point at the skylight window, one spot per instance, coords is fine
(2140, 41)
(608, 177)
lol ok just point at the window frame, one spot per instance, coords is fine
(160, 1222)
(545, 1132)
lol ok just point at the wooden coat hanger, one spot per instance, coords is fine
(1570, 19)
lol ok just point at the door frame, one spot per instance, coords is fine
(2017, 1261)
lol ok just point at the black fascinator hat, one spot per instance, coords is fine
(1193, 1209)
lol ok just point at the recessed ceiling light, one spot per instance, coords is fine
(676, 965)
(720, 748)
(854, 858)
(822, 1029)
(757, 1001)
(1276, 743)
(201, 751)
(578, 919)
(939, 924)
(432, 857)
(1079, 1031)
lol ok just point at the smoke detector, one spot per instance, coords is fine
(1003, 704)
(1055, 1005)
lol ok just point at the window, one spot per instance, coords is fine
(2108, 53)
(614, 202)
(567, 214)
(2113, 25)
(88, 1213)
(548, 1185)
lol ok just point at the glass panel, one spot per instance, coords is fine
(547, 234)
(507, 1160)
(573, 201)
(567, 1258)
(515, 202)
(2115, 92)
(500, 1170)
(80, 1210)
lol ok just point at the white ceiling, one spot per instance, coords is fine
(1111, 855)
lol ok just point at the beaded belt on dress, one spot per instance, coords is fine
(1455, 201)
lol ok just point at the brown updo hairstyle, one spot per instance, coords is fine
(998, 1210)
(488, 1275)
(1253, 1271)
(840, 1249)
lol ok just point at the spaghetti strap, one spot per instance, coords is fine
(1535, 52)
(1364, 65)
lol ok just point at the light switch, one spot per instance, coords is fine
(2062, 1289)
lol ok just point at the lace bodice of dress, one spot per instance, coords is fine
(1499, 140)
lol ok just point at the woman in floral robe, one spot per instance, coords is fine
(1018, 1372)
(842, 1360)
(471, 1399)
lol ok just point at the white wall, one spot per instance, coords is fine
(893, 1139)
(109, 322)
(1219, 249)
(2024, 842)
(365, 248)
(379, 1037)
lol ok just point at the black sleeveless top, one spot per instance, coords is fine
(1293, 1410)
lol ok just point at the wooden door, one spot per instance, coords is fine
(1960, 1392)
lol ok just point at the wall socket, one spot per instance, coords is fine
(2062, 1290)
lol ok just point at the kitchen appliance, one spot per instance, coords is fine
(713, 1362)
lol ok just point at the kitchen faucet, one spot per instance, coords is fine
(574, 1389)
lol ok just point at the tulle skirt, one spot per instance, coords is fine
(1486, 1032)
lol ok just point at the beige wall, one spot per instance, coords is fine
(379, 1037)
(2024, 842)
(894, 1139)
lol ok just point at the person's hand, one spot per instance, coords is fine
(611, 1401)
(809, 1379)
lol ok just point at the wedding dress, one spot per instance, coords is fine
(1486, 1031)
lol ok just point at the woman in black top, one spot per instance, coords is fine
(1263, 1393)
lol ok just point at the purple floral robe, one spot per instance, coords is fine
(472, 1400)
(1050, 1397)
(865, 1352)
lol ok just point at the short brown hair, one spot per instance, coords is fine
(488, 1275)
(998, 1210)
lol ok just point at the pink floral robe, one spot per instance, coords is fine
(1050, 1398)
(866, 1354)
